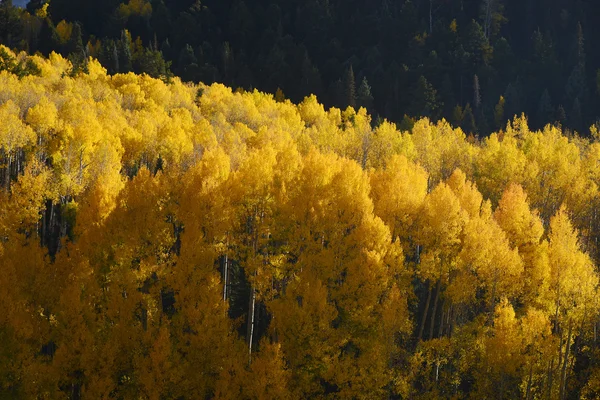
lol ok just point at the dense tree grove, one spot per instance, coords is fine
(172, 240)
(475, 63)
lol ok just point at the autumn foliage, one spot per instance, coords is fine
(167, 240)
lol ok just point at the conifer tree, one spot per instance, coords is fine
(364, 97)
(350, 88)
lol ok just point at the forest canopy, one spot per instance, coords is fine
(161, 239)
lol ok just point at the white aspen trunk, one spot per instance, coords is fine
(251, 310)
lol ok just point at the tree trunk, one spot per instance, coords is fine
(492, 305)
(549, 391)
(251, 312)
(560, 343)
(487, 19)
(430, 16)
(595, 333)
(225, 276)
(435, 303)
(7, 172)
(422, 327)
(440, 329)
(528, 392)
(563, 378)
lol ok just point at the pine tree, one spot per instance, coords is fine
(468, 123)
(499, 119)
(575, 118)
(476, 93)
(364, 96)
(124, 49)
(76, 50)
(311, 78)
(187, 63)
(561, 115)
(512, 104)
(350, 88)
(545, 111)
(425, 101)
(458, 115)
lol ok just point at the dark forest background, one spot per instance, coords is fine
(474, 62)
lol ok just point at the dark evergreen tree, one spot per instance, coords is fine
(364, 96)
(476, 93)
(575, 118)
(108, 57)
(350, 88)
(188, 70)
(311, 78)
(468, 121)
(561, 115)
(425, 102)
(336, 94)
(512, 98)
(457, 116)
(545, 111)
(11, 27)
(75, 49)
(124, 53)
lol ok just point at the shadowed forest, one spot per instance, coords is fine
(161, 239)
(476, 63)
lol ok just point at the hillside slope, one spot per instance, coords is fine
(171, 240)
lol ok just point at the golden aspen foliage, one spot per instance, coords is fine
(14, 134)
(319, 131)
(573, 280)
(177, 240)
(441, 149)
(486, 251)
(469, 197)
(269, 376)
(441, 223)
(553, 167)
(64, 30)
(500, 163)
(501, 352)
(302, 323)
(398, 192)
(524, 231)
(385, 142)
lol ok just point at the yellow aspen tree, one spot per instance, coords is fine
(524, 231)
(333, 236)
(14, 136)
(487, 253)
(499, 163)
(386, 142)
(573, 285)
(441, 224)
(398, 192)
